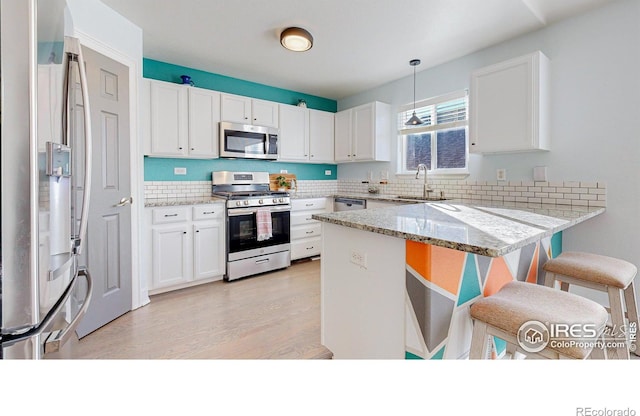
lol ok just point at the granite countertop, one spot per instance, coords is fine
(170, 202)
(485, 228)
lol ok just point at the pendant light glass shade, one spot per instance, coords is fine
(296, 39)
(414, 120)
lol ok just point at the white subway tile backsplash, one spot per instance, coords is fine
(562, 193)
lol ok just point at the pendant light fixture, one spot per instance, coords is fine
(296, 39)
(414, 120)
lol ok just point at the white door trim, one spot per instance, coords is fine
(139, 288)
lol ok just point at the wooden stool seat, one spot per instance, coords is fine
(504, 313)
(606, 274)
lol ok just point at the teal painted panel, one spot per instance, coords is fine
(470, 286)
(439, 355)
(164, 71)
(556, 244)
(501, 345)
(410, 356)
(161, 169)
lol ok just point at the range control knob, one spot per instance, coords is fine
(275, 200)
(246, 202)
(260, 201)
(281, 200)
(238, 203)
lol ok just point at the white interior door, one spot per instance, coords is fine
(108, 249)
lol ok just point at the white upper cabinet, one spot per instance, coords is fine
(509, 106)
(306, 135)
(321, 136)
(294, 133)
(363, 133)
(245, 110)
(264, 113)
(204, 116)
(183, 121)
(343, 136)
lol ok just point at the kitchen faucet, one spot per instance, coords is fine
(425, 189)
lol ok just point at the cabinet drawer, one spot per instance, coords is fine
(306, 231)
(207, 212)
(302, 218)
(306, 248)
(166, 215)
(308, 204)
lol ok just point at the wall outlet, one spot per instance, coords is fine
(501, 174)
(179, 171)
(284, 171)
(327, 173)
(359, 258)
(540, 173)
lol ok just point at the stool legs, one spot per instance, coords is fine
(617, 319)
(622, 304)
(479, 341)
(632, 315)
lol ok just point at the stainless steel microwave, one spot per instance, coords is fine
(248, 142)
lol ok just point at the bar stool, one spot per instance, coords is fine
(606, 274)
(519, 314)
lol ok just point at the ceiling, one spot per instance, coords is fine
(358, 44)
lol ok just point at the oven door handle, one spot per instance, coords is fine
(238, 212)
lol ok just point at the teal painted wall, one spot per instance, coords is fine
(161, 169)
(171, 73)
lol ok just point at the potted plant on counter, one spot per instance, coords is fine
(282, 183)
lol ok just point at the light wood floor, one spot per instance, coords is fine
(275, 315)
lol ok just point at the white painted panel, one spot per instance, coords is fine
(362, 308)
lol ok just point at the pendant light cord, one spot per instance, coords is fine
(414, 89)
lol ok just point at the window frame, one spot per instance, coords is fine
(404, 131)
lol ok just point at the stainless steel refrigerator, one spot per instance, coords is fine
(45, 178)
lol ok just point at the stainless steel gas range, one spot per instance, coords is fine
(258, 223)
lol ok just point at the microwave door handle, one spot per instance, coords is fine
(87, 146)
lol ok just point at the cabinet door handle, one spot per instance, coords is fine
(308, 205)
(309, 232)
(308, 219)
(197, 231)
(310, 248)
(184, 232)
(209, 212)
(170, 215)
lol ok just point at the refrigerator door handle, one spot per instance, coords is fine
(88, 152)
(59, 337)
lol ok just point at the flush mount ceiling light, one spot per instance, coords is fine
(296, 39)
(414, 120)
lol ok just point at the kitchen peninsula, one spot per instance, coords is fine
(397, 282)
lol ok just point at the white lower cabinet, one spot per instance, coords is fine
(187, 246)
(306, 233)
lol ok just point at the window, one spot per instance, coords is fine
(441, 141)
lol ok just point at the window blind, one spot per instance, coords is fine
(438, 113)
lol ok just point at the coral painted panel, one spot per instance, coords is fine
(499, 275)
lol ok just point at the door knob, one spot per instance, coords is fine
(124, 201)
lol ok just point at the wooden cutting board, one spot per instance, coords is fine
(273, 183)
